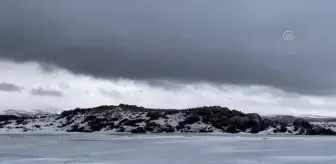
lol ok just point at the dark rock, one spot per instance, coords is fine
(302, 123)
(217, 110)
(240, 122)
(168, 129)
(237, 113)
(151, 126)
(301, 131)
(256, 129)
(138, 130)
(153, 115)
(121, 129)
(254, 116)
(204, 112)
(320, 131)
(217, 124)
(68, 118)
(282, 129)
(206, 119)
(171, 112)
(6, 122)
(69, 122)
(222, 120)
(111, 125)
(95, 125)
(132, 107)
(164, 117)
(78, 111)
(149, 129)
(37, 126)
(89, 118)
(157, 131)
(66, 113)
(133, 122)
(76, 128)
(19, 121)
(114, 119)
(191, 119)
(255, 120)
(266, 123)
(231, 129)
(8, 117)
(296, 128)
(123, 121)
(310, 132)
(181, 125)
(178, 127)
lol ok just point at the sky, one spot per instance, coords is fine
(57, 55)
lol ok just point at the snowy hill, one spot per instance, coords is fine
(21, 113)
(134, 119)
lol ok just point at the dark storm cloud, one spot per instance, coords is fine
(168, 85)
(188, 41)
(46, 92)
(7, 87)
(111, 93)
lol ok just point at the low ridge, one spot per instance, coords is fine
(134, 119)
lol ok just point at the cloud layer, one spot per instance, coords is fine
(46, 92)
(218, 42)
(85, 91)
(7, 87)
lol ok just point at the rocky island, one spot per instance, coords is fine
(134, 119)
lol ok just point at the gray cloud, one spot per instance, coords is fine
(7, 87)
(168, 85)
(111, 93)
(191, 41)
(46, 92)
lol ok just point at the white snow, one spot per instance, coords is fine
(172, 120)
(328, 125)
(24, 112)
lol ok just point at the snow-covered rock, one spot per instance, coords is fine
(134, 119)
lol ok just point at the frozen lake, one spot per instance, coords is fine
(165, 149)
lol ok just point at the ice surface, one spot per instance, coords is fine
(165, 149)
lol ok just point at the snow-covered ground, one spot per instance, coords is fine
(328, 125)
(165, 149)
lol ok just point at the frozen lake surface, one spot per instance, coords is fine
(165, 149)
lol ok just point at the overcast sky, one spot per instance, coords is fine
(169, 54)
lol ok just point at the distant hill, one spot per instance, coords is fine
(135, 119)
(21, 113)
(309, 118)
